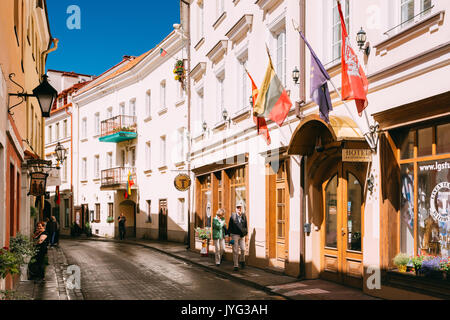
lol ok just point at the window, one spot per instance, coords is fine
(424, 170)
(97, 212)
(84, 169)
(411, 8)
(110, 113)
(65, 129)
(220, 98)
(181, 210)
(109, 160)
(238, 189)
(219, 8)
(122, 109)
(281, 57)
(180, 144)
(97, 123)
(124, 161)
(149, 211)
(133, 157)
(243, 86)
(200, 21)
(148, 156)
(162, 151)
(64, 177)
(110, 209)
(133, 108)
(148, 104)
(84, 128)
(203, 217)
(336, 28)
(163, 95)
(50, 138)
(57, 131)
(66, 213)
(97, 166)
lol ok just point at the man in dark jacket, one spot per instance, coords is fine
(237, 228)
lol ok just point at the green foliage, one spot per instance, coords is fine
(9, 263)
(110, 219)
(23, 247)
(12, 295)
(33, 212)
(401, 259)
(417, 262)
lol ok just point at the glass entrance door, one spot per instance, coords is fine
(343, 207)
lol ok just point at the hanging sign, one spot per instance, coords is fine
(182, 182)
(38, 184)
(356, 155)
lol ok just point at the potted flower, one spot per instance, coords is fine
(431, 267)
(401, 260)
(417, 263)
(204, 235)
(179, 71)
(445, 267)
(110, 219)
(9, 263)
(24, 249)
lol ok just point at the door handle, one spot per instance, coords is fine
(343, 232)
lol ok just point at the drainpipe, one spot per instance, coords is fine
(71, 163)
(302, 18)
(188, 89)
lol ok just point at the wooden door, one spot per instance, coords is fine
(343, 206)
(280, 225)
(163, 219)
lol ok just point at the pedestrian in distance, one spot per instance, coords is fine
(41, 240)
(122, 221)
(237, 228)
(219, 230)
(55, 236)
(50, 228)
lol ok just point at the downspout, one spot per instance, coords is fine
(71, 162)
(302, 163)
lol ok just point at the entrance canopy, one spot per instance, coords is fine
(305, 137)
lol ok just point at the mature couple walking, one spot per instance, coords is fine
(237, 229)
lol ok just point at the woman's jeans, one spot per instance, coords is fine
(219, 245)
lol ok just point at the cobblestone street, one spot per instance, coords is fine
(116, 271)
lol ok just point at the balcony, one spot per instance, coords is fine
(116, 178)
(118, 129)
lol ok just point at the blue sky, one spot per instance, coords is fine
(109, 30)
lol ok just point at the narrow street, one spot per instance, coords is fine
(115, 271)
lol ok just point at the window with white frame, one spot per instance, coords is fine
(65, 129)
(50, 138)
(336, 28)
(97, 123)
(162, 95)
(220, 7)
(411, 8)
(200, 21)
(148, 156)
(132, 107)
(133, 157)
(84, 169)
(243, 85)
(123, 160)
(220, 97)
(180, 144)
(84, 128)
(64, 177)
(281, 56)
(162, 151)
(57, 131)
(148, 103)
(109, 160)
(181, 210)
(110, 113)
(97, 166)
(122, 109)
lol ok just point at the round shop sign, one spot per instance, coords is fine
(440, 202)
(182, 182)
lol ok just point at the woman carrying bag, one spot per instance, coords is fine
(218, 233)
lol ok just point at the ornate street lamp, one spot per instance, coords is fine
(295, 75)
(44, 92)
(361, 39)
(60, 154)
(204, 126)
(225, 114)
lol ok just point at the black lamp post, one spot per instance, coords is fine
(295, 75)
(44, 92)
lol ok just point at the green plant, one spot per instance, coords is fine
(203, 233)
(401, 259)
(417, 262)
(12, 295)
(23, 247)
(110, 219)
(9, 263)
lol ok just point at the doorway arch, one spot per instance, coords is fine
(128, 208)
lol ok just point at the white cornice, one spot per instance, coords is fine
(198, 71)
(267, 4)
(218, 50)
(241, 28)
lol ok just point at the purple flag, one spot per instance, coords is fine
(319, 86)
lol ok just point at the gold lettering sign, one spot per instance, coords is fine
(356, 155)
(182, 182)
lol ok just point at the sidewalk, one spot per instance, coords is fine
(288, 287)
(53, 288)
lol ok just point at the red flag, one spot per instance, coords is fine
(354, 82)
(260, 122)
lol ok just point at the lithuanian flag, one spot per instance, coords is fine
(130, 183)
(273, 101)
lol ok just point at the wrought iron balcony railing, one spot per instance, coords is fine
(117, 178)
(118, 129)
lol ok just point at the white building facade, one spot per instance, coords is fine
(131, 127)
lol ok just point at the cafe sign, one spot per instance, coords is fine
(356, 155)
(182, 182)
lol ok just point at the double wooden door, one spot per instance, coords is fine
(343, 225)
